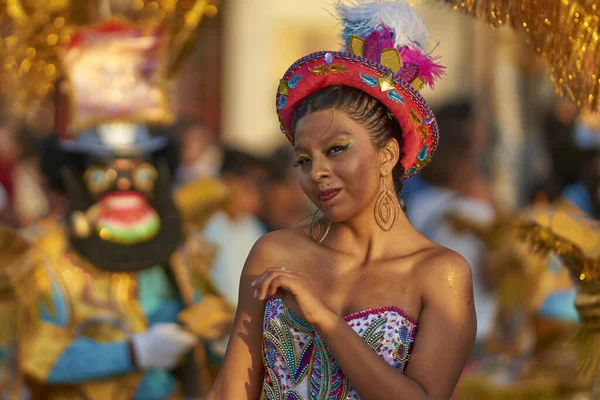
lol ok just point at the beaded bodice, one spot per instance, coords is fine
(299, 365)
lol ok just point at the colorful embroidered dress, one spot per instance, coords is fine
(299, 365)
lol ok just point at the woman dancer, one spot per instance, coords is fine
(330, 311)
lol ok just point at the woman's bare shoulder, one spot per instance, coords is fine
(275, 247)
(441, 270)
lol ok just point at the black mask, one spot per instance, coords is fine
(117, 257)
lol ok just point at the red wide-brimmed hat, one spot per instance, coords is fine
(384, 57)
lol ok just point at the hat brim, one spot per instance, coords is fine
(420, 133)
(100, 150)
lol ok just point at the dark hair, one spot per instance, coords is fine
(364, 109)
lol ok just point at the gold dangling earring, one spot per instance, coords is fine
(317, 222)
(386, 208)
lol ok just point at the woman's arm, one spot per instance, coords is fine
(446, 335)
(241, 376)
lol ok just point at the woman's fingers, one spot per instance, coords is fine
(270, 281)
(275, 284)
(258, 283)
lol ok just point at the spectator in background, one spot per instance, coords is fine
(20, 177)
(285, 204)
(566, 160)
(52, 157)
(201, 155)
(30, 200)
(455, 184)
(584, 192)
(3, 199)
(8, 161)
(236, 228)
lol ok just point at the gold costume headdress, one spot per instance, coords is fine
(566, 33)
(38, 36)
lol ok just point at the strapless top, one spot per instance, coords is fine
(300, 366)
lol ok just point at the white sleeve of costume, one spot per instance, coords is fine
(234, 240)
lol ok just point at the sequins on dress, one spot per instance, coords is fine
(299, 365)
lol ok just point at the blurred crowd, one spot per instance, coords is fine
(265, 192)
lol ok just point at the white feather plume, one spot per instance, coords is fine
(361, 17)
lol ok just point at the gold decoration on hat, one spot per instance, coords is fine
(284, 87)
(566, 33)
(418, 84)
(418, 122)
(386, 83)
(356, 45)
(391, 59)
(325, 69)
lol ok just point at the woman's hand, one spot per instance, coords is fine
(296, 292)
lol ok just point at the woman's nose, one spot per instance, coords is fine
(320, 170)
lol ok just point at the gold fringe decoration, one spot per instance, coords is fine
(566, 33)
(588, 344)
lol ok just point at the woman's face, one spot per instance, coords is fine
(339, 168)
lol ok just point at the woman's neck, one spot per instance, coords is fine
(363, 237)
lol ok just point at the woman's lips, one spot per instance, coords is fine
(327, 195)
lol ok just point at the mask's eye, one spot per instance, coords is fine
(98, 179)
(144, 177)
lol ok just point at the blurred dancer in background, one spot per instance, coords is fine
(447, 193)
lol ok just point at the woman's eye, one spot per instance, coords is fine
(302, 162)
(337, 149)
